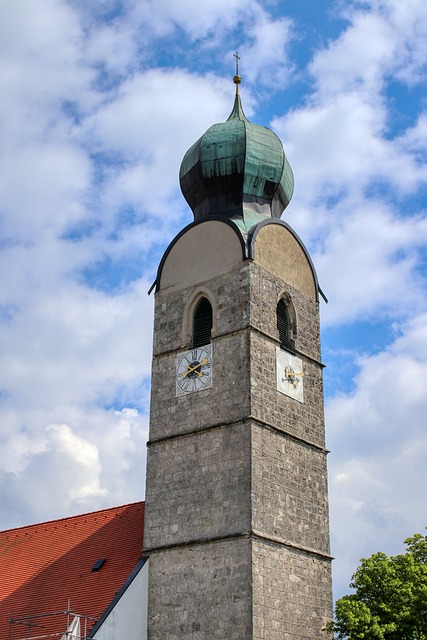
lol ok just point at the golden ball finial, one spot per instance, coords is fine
(237, 79)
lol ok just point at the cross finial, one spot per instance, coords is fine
(237, 79)
(236, 55)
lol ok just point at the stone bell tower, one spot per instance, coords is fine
(236, 502)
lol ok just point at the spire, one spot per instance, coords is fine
(237, 111)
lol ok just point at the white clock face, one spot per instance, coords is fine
(194, 370)
(290, 375)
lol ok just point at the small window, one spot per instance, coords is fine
(283, 324)
(98, 564)
(202, 323)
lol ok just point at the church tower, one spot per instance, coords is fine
(236, 515)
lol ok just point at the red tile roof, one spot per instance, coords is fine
(45, 566)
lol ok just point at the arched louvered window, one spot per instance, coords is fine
(202, 323)
(283, 324)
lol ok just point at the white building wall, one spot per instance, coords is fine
(128, 619)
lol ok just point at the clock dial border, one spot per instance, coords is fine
(289, 375)
(193, 371)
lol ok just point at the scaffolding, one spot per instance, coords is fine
(64, 625)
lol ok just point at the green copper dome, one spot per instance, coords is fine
(237, 169)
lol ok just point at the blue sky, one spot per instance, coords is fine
(99, 103)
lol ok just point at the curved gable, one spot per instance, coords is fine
(203, 250)
(278, 249)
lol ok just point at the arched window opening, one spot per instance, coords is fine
(283, 324)
(202, 323)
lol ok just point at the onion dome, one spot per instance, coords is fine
(237, 168)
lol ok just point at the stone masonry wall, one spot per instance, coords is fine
(224, 402)
(245, 297)
(227, 399)
(305, 420)
(201, 592)
(292, 594)
(231, 293)
(265, 290)
(289, 491)
(202, 486)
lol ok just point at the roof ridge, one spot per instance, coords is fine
(79, 515)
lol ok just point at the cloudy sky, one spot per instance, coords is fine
(99, 102)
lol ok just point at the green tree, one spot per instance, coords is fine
(390, 598)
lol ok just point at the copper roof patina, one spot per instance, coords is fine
(237, 170)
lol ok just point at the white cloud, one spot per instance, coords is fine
(264, 54)
(340, 139)
(163, 16)
(83, 457)
(42, 65)
(352, 176)
(415, 138)
(43, 189)
(69, 354)
(358, 59)
(112, 47)
(340, 145)
(152, 120)
(368, 263)
(383, 37)
(409, 22)
(377, 469)
(69, 473)
(75, 345)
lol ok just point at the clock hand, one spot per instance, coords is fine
(191, 369)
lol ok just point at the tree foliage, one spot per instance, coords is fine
(390, 598)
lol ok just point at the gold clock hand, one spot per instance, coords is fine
(191, 369)
(291, 374)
